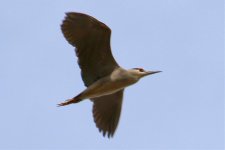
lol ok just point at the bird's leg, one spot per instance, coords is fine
(70, 101)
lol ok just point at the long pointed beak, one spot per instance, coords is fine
(151, 72)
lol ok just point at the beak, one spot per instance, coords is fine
(151, 72)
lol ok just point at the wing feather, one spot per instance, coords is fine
(106, 112)
(91, 38)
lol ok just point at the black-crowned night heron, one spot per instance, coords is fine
(104, 78)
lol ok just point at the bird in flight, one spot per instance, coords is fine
(104, 78)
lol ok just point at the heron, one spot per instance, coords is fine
(104, 78)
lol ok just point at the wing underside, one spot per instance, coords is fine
(106, 112)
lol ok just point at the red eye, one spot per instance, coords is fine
(141, 70)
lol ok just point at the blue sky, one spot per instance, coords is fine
(180, 108)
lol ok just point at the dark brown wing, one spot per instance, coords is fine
(106, 112)
(92, 41)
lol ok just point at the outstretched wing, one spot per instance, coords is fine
(92, 41)
(106, 112)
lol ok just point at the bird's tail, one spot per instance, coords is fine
(70, 101)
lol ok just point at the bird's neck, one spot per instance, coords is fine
(123, 75)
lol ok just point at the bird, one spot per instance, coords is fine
(104, 78)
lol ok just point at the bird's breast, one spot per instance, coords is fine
(107, 85)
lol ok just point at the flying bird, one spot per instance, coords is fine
(104, 78)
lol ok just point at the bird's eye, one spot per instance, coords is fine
(141, 70)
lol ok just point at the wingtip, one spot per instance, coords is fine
(107, 134)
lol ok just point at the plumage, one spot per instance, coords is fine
(91, 38)
(104, 78)
(106, 112)
(92, 41)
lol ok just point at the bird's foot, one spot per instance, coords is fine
(67, 102)
(70, 101)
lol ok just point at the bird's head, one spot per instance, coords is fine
(140, 72)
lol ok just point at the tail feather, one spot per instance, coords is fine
(70, 101)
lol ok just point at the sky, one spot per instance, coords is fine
(180, 108)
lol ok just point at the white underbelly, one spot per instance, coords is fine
(94, 95)
(105, 87)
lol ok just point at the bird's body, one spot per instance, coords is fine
(104, 78)
(109, 84)
(116, 81)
